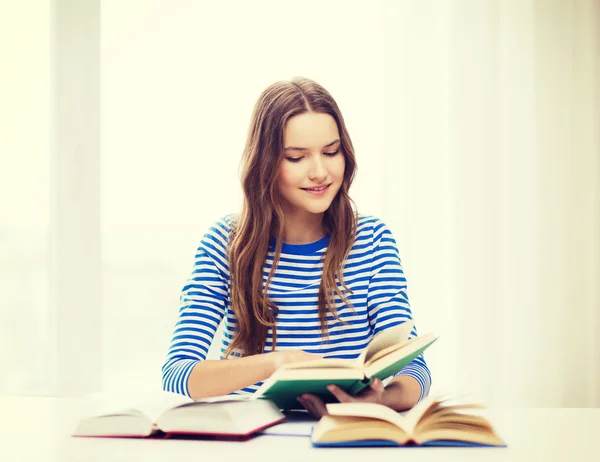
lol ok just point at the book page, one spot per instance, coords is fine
(322, 363)
(150, 404)
(317, 373)
(349, 429)
(397, 335)
(386, 351)
(226, 416)
(462, 422)
(370, 410)
(395, 359)
(414, 415)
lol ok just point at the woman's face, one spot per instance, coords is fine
(312, 158)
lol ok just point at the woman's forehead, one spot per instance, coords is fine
(310, 130)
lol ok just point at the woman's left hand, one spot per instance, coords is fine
(316, 406)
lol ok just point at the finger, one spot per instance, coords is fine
(377, 385)
(314, 405)
(308, 405)
(301, 403)
(340, 394)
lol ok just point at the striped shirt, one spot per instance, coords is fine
(372, 271)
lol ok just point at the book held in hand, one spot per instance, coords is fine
(432, 422)
(227, 416)
(388, 352)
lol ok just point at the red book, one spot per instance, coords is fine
(229, 417)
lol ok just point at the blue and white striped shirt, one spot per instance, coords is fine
(372, 271)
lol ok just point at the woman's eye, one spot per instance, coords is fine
(298, 159)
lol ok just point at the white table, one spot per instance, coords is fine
(38, 429)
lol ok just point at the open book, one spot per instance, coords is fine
(432, 422)
(388, 352)
(228, 416)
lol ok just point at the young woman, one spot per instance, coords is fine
(298, 272)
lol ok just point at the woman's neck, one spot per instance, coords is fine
(303, 229)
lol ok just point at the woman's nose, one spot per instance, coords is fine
(317, 170)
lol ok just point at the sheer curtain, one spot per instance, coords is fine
(492, 169)
(24, 208)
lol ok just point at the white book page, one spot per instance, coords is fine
(392, 336)
(412, 416)
(151, 404)
(370, 410)
(414, 345)
(323, 363)
(407, 420)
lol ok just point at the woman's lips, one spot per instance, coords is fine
(317, 192)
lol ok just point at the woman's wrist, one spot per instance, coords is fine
(275, 360)
(402, 393)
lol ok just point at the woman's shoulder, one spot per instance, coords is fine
(219, 230)
(369, 224)
(374, 230)
(229, 220)
(224, 224)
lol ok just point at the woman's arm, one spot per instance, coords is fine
(203, 306)
(402, 393)
(220, 377)
(388, 304)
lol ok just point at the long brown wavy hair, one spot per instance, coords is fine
(262, 214)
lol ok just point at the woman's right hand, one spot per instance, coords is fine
(292, 356)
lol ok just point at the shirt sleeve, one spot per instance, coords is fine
(203, 303)
(387, 302)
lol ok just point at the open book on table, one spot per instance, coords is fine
(388, 352)
(175, 415)
(432, 422)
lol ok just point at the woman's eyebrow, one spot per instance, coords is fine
(293, 148)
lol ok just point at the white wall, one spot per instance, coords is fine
(476, 130)
(465, 110)
(24, 184)
(494, 189)
(179, 83)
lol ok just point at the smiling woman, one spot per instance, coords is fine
(319, 172)
(298, 274)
